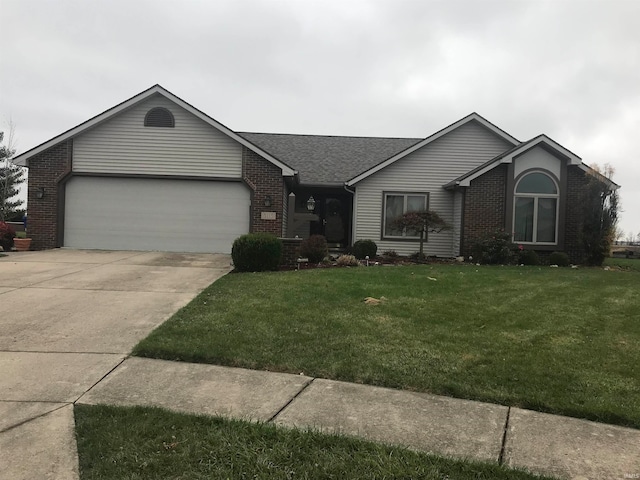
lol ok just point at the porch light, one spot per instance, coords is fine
(311, 204)
(40, 193)
(267, 201)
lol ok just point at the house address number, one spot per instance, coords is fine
(267, 215)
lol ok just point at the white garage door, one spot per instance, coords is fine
(149, 214)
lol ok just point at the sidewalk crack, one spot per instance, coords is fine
(31, 419)
(101, 379)
(504, 437)
(304, 387)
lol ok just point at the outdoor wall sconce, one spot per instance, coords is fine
(311, 204)
(40, 193)
(267, 201)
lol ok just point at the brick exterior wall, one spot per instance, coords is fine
(290, 251)
(265, 179)
(484, 207)
(484, 211)
(576, 181)
(46, 170)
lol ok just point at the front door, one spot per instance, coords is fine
(332, 221)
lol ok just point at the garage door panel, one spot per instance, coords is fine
(154, 214)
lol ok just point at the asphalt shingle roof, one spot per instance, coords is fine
(324, 160)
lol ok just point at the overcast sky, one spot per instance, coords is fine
(569, 69)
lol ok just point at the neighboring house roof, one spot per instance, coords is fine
(329, 160)
(473, 117)
(23, 159)
(509, 155)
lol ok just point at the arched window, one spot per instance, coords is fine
(535, 210)
(159, 117)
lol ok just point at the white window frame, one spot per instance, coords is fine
(404, 235)
(536, 197)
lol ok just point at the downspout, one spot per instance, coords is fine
(353, 213)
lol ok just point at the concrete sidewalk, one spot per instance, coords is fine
(548, 444)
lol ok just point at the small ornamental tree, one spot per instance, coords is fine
(421, 222)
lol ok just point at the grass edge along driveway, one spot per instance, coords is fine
(563, 341)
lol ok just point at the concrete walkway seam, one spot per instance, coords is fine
(304, 387)
(19, 424)
(101, 379)
(504, 438)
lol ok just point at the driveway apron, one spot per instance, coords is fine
(68, 318)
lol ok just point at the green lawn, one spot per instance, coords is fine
(630, 264)
(149, 443)
(558, 340)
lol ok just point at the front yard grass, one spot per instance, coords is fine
(558, 340)
(631, 264)
(150, 443)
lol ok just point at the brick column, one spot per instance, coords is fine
(46, 170)
(484, 206)
(290, 250)
(265, 179)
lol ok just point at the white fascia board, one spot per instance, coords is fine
(23, 159)
(432, 138)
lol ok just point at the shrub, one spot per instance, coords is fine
(314, 248)
(418, 257)
(347, 261)
(365, 248)
(7, 233)
(256, 252)
(390, 253)
(495, 248)
(528, 257)
(599, 219)
(559, 258)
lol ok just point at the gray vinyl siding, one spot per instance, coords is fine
(425, 170)
(123, 145)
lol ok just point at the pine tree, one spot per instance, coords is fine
(11, 176)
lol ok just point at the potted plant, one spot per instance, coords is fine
(21, 242)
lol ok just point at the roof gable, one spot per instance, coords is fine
(473, 117)
(23, 159)
(508, 157)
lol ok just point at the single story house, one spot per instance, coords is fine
(156, 173)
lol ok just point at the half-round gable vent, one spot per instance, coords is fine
(159, 117)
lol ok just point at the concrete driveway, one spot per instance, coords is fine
(68, 318)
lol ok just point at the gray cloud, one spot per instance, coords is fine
(570, 69)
